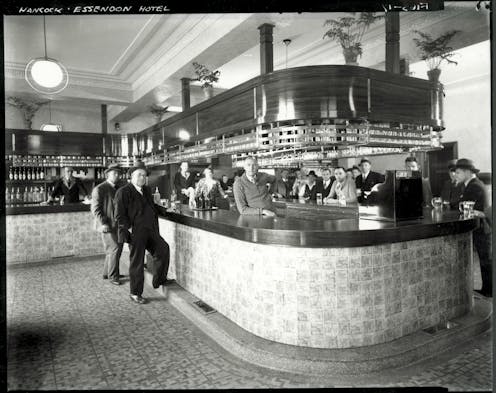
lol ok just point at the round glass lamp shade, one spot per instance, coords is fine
(46, 75)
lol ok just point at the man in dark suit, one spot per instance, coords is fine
(366, 180)
(69, 187)
(324, 187)
(183, 181)
(283, 186)
(137, 222)
(411, 164)
(452, 190)
(102, 207)
(474, 191)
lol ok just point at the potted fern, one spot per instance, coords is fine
(206, 77)
(349, 31)
(434, 51)
(158, 111)
(27, 108)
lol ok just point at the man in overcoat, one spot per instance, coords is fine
(137, 222)
(103, 209)
(474, 191)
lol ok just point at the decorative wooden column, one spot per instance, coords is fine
(266, 48)
(106, 139)
(393, 42)
(185, 90)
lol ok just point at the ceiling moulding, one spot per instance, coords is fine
(201, 34)
(141, 39)
(16, 71)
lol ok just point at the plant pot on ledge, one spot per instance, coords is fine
(208, 91)
(351, 55)
(433, 74)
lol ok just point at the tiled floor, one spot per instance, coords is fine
(69, 329)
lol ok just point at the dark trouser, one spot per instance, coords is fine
(482, 244)
(113, 251)
(147, 239)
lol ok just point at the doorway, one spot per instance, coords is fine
(438, 165)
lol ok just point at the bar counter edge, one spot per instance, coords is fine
(351, 232)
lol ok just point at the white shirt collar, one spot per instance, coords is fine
(468, 181)
(252, 179)
(139, 189)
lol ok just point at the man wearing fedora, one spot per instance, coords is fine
(137, 223)
(452, 190)
(102, 207)
(474, 191)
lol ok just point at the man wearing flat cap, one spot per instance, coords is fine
(452, 190)
(137, 222)
(366, 180)
(102, 207)
(474, 191)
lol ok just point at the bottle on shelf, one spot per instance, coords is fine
(18, 196)
(11, 174)
(7, 196)
(28, 173)
(16, 174)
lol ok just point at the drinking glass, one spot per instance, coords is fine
(436, 202)
(468, 209)
(460, 206)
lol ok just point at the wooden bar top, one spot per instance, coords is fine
(45, 209)
(341, 232)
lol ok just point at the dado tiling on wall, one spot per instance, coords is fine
(325, 297)
(41, 237)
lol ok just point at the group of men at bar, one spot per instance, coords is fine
(253, 197)
(127, 214)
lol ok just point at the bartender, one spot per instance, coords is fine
(69, 187)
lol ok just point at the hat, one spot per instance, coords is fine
(364, 160)
(464, 163)
(112, 167)
(138, 165)
(452, 165)
(312, 173)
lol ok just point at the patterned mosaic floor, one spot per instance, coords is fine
(69, 329)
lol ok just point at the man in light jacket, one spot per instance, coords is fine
(102, 207)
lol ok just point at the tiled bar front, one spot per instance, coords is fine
(43, 236)
(325, 297)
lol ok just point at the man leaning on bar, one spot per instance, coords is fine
(250, 190)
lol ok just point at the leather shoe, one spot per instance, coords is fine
(115, 282)
(137, 299)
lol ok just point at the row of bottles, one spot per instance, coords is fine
(54, 161)
(16, 195)
(27, 174)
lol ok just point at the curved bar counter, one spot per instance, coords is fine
(324, 284)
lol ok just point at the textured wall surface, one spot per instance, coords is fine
(40, 237)
(325, 298)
